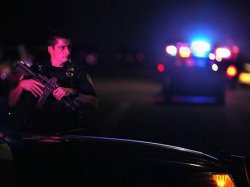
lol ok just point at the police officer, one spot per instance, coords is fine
(72, 82)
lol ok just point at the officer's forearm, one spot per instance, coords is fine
(15, 95)
(82, 98)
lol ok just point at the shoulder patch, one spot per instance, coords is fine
(70, 72)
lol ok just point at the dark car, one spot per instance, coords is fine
(194, 84)
(194, 72)
(76, 160)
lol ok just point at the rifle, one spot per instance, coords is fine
(49, 86)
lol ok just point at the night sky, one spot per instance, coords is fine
(113, 24)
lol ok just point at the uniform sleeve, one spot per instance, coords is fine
(84, 83)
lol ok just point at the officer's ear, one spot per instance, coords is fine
(50, 48)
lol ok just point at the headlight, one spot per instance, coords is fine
(223, 180)
(211, 180)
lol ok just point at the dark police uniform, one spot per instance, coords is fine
(54, 116)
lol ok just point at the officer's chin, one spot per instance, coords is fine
(65, 60)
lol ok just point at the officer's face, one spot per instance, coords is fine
(59, 52)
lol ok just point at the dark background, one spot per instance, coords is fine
(129, 108)
(112, 24)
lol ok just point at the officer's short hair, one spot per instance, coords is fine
(57, 34)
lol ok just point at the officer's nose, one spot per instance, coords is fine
(67, 50)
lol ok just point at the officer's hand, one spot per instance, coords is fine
(60, 92)
(33, 86)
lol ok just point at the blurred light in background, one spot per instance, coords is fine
(235, 49)
(200, 48)
(193, 99)
(223, 52)
(140, 56)
(231, 71)
(211, 56)
(25, 56)
(215, 67)
(171, 50)
(5, 70)
(161, 67)
(247, 67)
(218, 58)
(91, 58)
(244, 78)
(185, 52)
(129, 58)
